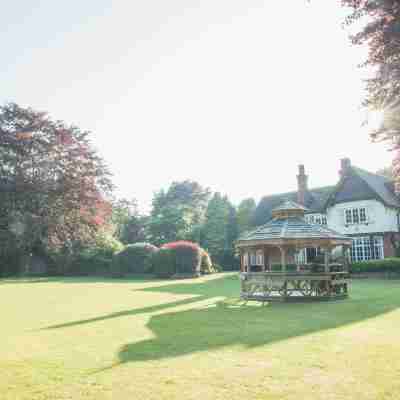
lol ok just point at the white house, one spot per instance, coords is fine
(362, 205)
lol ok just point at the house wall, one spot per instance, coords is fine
(380, 218)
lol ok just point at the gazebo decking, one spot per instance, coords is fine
(280, 241)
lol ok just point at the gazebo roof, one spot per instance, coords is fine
(289, 226)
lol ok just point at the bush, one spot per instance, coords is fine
(97, 259)
(134, 258)
(178, 258)
(385, 265)
(164, 265)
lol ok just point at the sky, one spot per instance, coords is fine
(233, 94)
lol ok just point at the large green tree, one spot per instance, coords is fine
(245, 214)
(220, 230)
(178, 213)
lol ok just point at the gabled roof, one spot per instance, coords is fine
(359, 184)
(364, 185)
(381, 185)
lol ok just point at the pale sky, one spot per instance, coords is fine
(231, 93)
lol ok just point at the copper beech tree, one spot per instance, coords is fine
(378, 27)
(53, 184)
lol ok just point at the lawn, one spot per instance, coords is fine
(92, 338)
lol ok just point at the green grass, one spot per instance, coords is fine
(91, 338)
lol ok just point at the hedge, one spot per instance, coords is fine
(178, 258)
(385, 265)
(134, 258)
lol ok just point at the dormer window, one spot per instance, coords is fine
(355, 216)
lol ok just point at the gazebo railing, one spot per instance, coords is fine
(286, 286)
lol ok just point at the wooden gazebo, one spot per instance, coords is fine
(273, 266)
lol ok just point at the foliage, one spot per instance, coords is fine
(220, 230)
(385, 265)
(129, 225)
(54, 183)
(91, 260)
(379, 23)
(181, 257)
(178, 212)
(134, 258)
(245, 214)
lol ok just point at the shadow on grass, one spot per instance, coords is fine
(216, 287)
(226, 323)
(232, 322)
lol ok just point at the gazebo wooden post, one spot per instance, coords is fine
(345, 249)
(326, 258)
(283, 258)
(264, 258)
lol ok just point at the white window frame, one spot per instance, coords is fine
(361, 249)
(318, 219)
(352, 215)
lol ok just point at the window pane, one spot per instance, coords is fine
(363, 215)
(348, 217)
(355, 216)
(324, 221)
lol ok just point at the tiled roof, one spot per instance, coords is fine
(381, 185)
(291, 228)
(315, 200)
(364, 185)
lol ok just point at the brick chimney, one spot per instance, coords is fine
(345, 166)
(301, 185)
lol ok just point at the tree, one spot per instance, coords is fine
(245, 214)
(178, 213)
(129, 225)
(379, 22)
(57, 185)
(220, 230)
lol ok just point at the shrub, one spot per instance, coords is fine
(181, 258)
(96, 259)
(164, 263)
(134, 258)
(385, 265)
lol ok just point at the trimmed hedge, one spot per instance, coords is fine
(134, 258)
(385, 265)
(178, 258)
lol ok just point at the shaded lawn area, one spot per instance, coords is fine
(93, 338)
